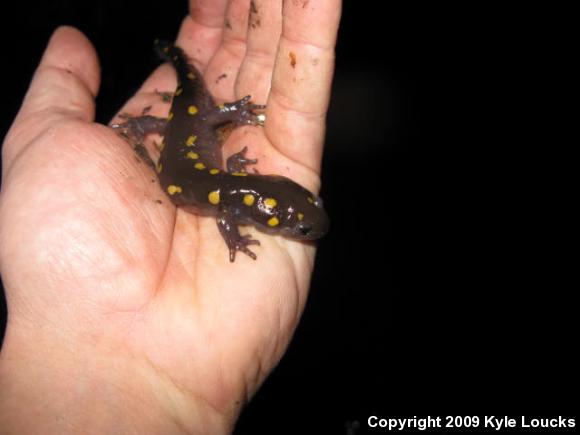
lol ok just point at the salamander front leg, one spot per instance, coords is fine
(235, 241)
(237, 162)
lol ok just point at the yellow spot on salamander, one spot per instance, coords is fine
(300, 216)
(170, 116)
(214, 197)
(310, 199)
(191, 76)
(193, 156)
(191, 140)
(221, 106)
(159, 168)
(214, 171)
(172, 189)
(240, 174)
(270, 202)
(178, 91)
(192, 110)
(199, 166)
(249, 199)
(273, 221)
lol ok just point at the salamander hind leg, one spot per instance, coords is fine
(136, 128)
(244, 111)
(237, 162)
(241, 112)
(234, 240)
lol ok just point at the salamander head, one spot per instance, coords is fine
(308, 221)
(291, 211)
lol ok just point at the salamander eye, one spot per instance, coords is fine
(304, 229)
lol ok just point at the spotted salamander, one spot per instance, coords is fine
(190, 166)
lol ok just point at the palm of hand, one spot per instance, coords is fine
(85, 234)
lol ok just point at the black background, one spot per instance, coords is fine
(445, 286)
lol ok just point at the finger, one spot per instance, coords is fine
(264, 31)
(223, 70)
(302, 79)
(63, 86)
(201, 31)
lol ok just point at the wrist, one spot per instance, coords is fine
(51, 383)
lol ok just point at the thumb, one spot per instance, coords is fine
(63, 86)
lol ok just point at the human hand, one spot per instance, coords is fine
(125, 312)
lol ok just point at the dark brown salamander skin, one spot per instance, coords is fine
(190, 167)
